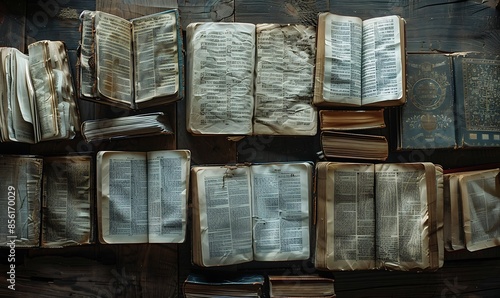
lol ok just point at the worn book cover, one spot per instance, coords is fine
(477, 80)
(427, 119)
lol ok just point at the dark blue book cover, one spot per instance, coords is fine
(477, 78)
(427, 119)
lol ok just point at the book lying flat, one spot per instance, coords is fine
(351, 119)
(142, 196)
(38, 99)
(141, 125)
(373, 216)
(223, 285)
(67, 201)
(249, 79)
(131, 64)
(338, 144)
(360, 62)
(21, 182)
(452, 102)
(300, 286)
(244, 213)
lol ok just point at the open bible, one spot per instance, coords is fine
(37, 95)
(131, 64)
(142, 196)
(372, 216)
(360, 62)
(244, 213)
(247, 79)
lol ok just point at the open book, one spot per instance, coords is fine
(67, 201)
(360, 63)
(131, 64)
(142, 196)
(249, 79)
(37, 95)
(473, 209)
(245, 213)
(21, 184)
(373, 216)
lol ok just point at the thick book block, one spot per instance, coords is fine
(39, 101)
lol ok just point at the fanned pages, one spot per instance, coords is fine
(131, 64)
(126, 127)
(141, 196)
(360, 62)
(38, 98)
(245, 213)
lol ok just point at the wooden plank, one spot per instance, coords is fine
(436, 25)
(206, 11)
(478, 278)
(49, 19)
(12, 24)
(277, 11)
(130, 9)
(277, 149)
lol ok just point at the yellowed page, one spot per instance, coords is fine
(168, 186)
(122, 197)
(225, 211)
(281, 209)
(350, 216)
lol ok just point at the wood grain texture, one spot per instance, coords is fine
(130, 9)
(12, 24)
(49, 19)
(206, 11)
(279, 11)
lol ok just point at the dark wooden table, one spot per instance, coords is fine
(158, 270)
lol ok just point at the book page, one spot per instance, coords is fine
(67, 201)
(224, 195)
(21, 184)
(220, 84)
(69, 119)
(45, 95)
(481, 209)
(168, 181)
(20, 100)
(88, 79)
(457, 215)
(350, 216)
(402, 230)
(122, 197)
(155, 42)
(382, 70)
(114, 58)
(342, 66)
(284, 80)
(281, 208)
